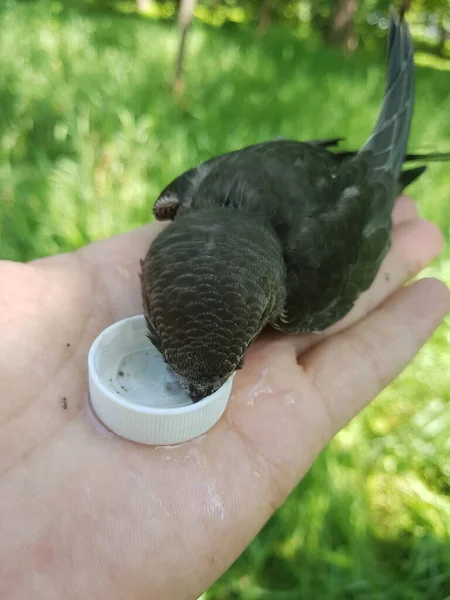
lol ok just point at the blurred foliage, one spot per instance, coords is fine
(89, 136)
(291, 11)
(334, 20)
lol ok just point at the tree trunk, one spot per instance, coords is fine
(444, 35)
(341, 29)
(404, 7)
(185, 14)
(265, 16)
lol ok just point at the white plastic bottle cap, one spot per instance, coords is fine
(135, 394)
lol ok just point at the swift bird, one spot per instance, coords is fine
(282, 233)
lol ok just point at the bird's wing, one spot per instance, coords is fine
(335, 254)
(181, 191)
(341, 249)
(327, 142)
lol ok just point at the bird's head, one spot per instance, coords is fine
(210, 283)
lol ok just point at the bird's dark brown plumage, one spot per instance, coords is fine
(282, 233)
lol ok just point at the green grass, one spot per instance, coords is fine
(88, 137)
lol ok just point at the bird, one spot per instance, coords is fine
(282, 234)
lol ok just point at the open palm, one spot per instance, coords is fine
(85, 514)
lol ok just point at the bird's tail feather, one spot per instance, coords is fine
(427, 157)
(408, 176)
(410, 157)
(388, 141)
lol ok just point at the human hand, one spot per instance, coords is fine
(85, 514)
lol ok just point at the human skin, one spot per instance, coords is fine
(86, 514)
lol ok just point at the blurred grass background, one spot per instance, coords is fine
(89, 135)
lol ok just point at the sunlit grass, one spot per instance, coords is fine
(89, 135)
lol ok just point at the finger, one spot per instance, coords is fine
(414, 245)
(118, 250)
(286, 421)
(113, 265)
(405, 209)
(124, 248)
(117, 259)
(132, 245)
(117, 262)
(350, 369)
